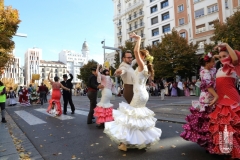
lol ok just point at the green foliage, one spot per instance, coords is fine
(228, 32)
(85, 71)
(9, 20)
(174, 56)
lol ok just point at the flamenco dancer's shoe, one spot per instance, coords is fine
(122, 147)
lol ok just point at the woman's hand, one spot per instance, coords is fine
(212, 102)
(133, 35)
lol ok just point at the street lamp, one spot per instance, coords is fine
(20, 35)
(103, 42)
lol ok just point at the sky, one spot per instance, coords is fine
(54, 25)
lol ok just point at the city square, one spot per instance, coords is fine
(120, 79)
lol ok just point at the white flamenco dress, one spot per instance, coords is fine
(134, 124)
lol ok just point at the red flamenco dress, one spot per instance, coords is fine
(197, 127)
(225, 120)
(104, 108)
(55, 107)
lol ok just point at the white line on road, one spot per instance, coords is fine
(81, 112)
(29, 118)
(62, 117)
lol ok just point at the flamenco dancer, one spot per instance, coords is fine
(24, 95)
(225, 119)
(134, 124)
(103, 111)
(197, 127)
(55, 107)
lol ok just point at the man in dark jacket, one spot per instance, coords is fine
(67, 96)
(93, 87)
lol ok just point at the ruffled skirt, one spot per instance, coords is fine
(54, 107)
(134, 127)
(197, 128)
(104, 109)
(226, 117)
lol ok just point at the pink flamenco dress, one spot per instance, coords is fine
(104, 109)
(225, 119)
(197, 127)
(55, 107)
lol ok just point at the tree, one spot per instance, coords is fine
(174, 56)
(85, 71)
(228, 32)
(9, 20)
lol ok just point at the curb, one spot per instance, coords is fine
(25, 144)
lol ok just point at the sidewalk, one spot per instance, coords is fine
(14, 144)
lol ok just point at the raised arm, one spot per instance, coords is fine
(71, 76)
(231, 52)
(137, 51)
(98, 74)
(49, 77)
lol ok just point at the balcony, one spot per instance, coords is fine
(131, 18)
(200, 30)
(135, 27)
(119, 24)
(135, 5)
(119, 34)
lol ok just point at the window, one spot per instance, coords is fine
(199, 13)
(226, 3)
(165, 16)
(180, 8)
(181, 21)
(213, 8)
(155, 32)
(151, 1)
(154, 20)
(155, 42)
(142, 44)
(195, 1)
(166, 28)
(135, 14)
(183, 34)
(164, 4)
(154, 9)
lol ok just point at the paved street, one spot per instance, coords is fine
(69, 137)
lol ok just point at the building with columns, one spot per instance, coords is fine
(151, 19)
(32, 63)
(74, 61)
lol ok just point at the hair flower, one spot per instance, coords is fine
(149, 58)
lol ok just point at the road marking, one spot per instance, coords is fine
(62, 117)
(29, 118)
(165, 109)
(81, 112)
(185, 110)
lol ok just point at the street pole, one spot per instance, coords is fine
(104, 50)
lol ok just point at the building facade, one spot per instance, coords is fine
(31, 63)
(110, 58)
(151, 19)
(195, 18)
(74, 61)
(57, 68)
(13, 70)
(148, 18)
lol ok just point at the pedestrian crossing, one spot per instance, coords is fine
(34, 120)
